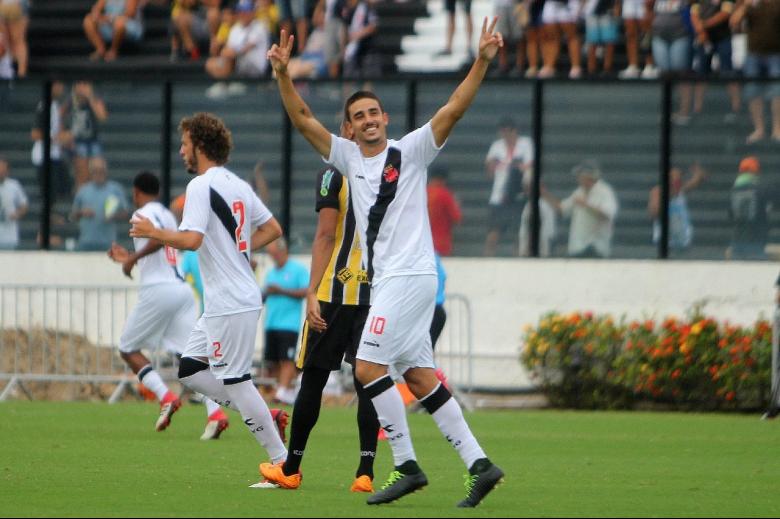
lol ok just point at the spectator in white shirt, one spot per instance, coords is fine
(13, 206)
(592, 208)
(244, 53)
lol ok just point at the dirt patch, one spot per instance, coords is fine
(47, 352)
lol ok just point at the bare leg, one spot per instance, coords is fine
(632, 42)
(776, 118)
(551, 45)
(17, 32)
(93, 35)
(573, 43)
(120, 26)
(756, 107)
(609, 57)
(491, 243)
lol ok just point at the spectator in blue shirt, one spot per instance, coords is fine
(98, 206)
(191, 270)
(284, 292)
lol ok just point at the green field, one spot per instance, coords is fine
(94, 460)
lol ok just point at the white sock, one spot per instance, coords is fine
(452, 424)
(153, 381)
(206, 383)
(392, 417)
(258, 418)
(211, 406)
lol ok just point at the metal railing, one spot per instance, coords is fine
(70, 334)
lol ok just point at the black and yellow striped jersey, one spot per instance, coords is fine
(345, 280)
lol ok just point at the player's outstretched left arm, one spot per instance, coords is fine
(142, 227)
(449, 114)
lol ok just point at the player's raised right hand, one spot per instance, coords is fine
(279, 55)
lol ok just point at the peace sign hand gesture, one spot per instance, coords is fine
(489, 41)
(279, 55)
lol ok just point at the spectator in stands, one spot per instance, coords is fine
(601, 30)
(533, 34)
(6, 71)
(672, 49)
(443, 209)
(710, 20)
(97, 207)
(506, 160)
(637, 18)
(13, 206)
(560, 16)
(84, 113)
(110, 22)
(60, 175)
(312, 63)
(547, 224)
(194, 24)
(750, 204)
(449, 6)
(294, 18)
(680, 225)
(763, 34)
(512, 18)
(335, 34)
(285, 289)
(360, 60)
(592, 208)
(244, 54)
(268, 13)
(14, 20)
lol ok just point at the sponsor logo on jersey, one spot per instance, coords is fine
(369, 343)
(362, 276)
(345, 275)
(391, 174)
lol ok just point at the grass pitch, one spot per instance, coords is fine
(100, 460)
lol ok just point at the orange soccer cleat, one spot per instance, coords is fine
(362, 484)
(275, 474)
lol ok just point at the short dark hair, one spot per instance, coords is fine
(210, 135)
(147, 182)
(507, 122)
(357, 96)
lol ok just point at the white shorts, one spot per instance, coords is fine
(164, 315)
(397, 332)
(633, 9)
(560, 12)
(228, 341)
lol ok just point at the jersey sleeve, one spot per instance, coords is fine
(421, 145)
(259, 213)
(329, 183)
(339, 153)
(196, 207)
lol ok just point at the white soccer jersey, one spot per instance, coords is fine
(391, 203)
(161, 266)
(224, 209)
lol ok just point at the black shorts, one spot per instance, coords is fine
(340, 340)
(450, 6)
(505, 217)
(280, 345)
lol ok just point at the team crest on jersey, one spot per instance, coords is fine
(391, 174)
(344, 275)
(325, 186)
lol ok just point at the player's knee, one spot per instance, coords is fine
(189, 366)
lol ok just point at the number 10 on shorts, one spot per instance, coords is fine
(377, 325)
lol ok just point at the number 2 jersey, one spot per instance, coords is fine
(225, 210)
(160, 266)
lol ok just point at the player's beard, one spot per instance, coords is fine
(191, 163)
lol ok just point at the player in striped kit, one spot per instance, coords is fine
(337, 304)
(224, 221)
(165, 313)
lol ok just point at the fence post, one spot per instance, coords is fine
(46, 180)
(536, 184)
(165, 152)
